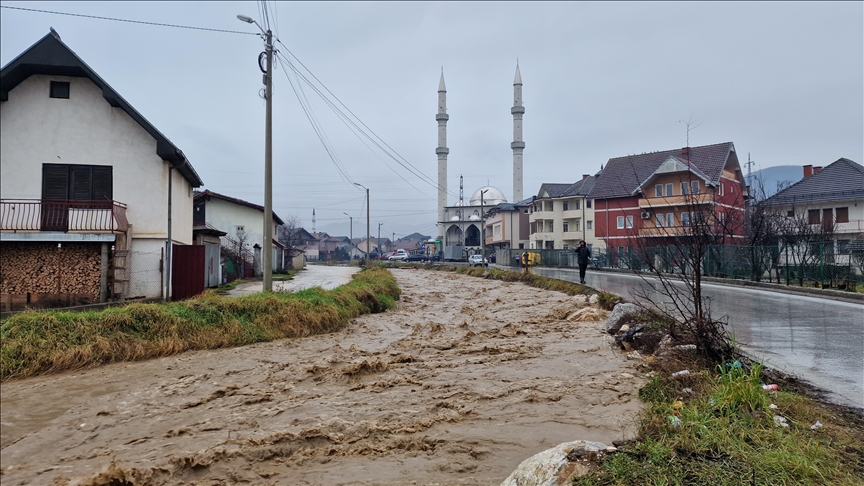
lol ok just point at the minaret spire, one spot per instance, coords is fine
(518, 145)
(442, 152)
(313, 220)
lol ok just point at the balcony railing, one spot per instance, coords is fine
(662, 202)
(66, 216)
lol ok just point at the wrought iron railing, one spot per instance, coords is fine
(66, 216)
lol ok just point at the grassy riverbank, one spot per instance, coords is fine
(40, 342)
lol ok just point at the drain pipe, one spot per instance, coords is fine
(168, 247)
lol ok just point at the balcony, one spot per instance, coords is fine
(28, 215)
(851, 226)
(542, 236)
(572, 214)
(572, 235)
(667, 231)
(664, 202)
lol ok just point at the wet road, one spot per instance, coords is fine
(817, 339)
(324, 276)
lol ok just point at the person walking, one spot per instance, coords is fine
(583, 254)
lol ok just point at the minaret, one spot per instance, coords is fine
(442, 152)
(518, 145)
(313, 220)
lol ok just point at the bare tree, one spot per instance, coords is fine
(807, 241)
(293, 237)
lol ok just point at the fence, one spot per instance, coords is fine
(145, 274)
(816, 264)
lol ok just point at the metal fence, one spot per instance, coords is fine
(145, 274)
(816, 264)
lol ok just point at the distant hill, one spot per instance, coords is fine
(769, 178)
(415, 237)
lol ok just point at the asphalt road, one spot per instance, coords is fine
(817, 339)
(324, 276)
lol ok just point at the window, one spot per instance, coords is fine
(588, 203)
(813, 216)
(59, 89)
(658, 190)
(842, 215)
(685, 219)
(670, 190)
(790, 214)
(721, 217)
(77, 182)
(551, 205)
(684, 186)
(630, 221)
(620, 222)
(550, 245)
(721, 187)
(566, 226)
(843, 247)
(566, 246)
(660, 220)
(589, 225)
(576, 226)
(828, 216)
(694, 187)
(241, 229)
(566, 207)
(577, 205)
(670, 219)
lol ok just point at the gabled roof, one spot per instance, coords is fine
(581, 188)
(843, 179)
(672, 165)
(210, 194)
(623, 175)
(51, 56)
(552, 189)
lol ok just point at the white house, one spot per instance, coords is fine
(562, 215)
(87, 182)
(243, 222)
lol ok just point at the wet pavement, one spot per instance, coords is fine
(816, 339)
(324, 276)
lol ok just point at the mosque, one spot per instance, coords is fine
(460, 224)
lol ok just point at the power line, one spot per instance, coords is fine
(130, 21)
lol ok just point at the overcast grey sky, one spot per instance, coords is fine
(784, 81)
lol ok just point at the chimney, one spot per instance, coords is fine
(808, 171)
(685, 150)
(585, 176)
(817, 169)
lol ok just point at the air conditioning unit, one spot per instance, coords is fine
(646, 214)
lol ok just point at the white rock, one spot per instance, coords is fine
(551, 467)
(594, 299)
(613, 323)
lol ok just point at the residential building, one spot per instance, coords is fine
(562, 215)
(832, 198)
(88, 184)
(243, 222)
(648, 198)
(507, 225)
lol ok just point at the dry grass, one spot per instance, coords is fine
(41, 342)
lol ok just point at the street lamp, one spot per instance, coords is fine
(379, 240)
(351, 237)
(267, 244)
(367, 221)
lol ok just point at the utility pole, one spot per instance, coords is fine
(367, 222)
(267, 244)
(379, 240)
(482, 229)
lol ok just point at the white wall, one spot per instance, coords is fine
(226, 216)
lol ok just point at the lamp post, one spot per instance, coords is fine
(367, 221)
(267, 244)
(351, 237)
(482, 228)
(379, 240)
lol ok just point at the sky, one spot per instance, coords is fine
(783, 81)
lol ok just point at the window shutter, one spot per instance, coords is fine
(81, 183)
(103, 183)
(55, 182)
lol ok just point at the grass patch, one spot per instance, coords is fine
(727, 435)
(38, 342)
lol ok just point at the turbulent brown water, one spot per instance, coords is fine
(458, 385)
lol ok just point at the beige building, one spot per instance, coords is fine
(562, 215)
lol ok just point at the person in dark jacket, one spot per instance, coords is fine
(583, 254)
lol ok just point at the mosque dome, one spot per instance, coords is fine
(492, 197)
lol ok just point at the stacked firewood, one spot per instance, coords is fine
(45, 268)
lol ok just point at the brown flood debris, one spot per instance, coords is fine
(457, 386)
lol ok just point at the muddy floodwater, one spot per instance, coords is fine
(458, 385)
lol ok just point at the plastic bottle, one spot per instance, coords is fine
(674, 421)
(680, 373)
(770, 387)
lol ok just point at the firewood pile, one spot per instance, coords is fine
(43, 268)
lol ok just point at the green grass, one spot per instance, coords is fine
(728, 436)
(38, 342)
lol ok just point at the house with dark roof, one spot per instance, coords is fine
(562, 215)
(507, 225)
(87, 182)
(243, 223)
(832, 197)
(651, 197)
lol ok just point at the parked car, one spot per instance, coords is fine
(419, 257)
(477, 260)
(398, 257)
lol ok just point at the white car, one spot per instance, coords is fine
(399, 256)
(477, 260)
